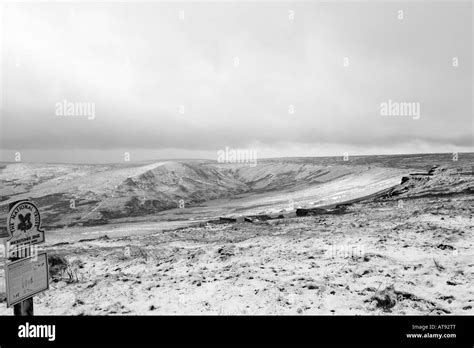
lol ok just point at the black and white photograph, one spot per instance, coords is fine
(237, 158)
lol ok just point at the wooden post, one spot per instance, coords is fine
(25, 307)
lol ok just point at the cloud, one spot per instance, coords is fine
(158, 82)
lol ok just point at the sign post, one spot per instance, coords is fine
(25, 278)
(25, 274)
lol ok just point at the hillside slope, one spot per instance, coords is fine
(73, 194)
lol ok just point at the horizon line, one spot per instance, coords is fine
(214, 160)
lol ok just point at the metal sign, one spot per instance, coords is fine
(23, 225)
(26, 277)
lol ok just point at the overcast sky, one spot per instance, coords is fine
(229, 75)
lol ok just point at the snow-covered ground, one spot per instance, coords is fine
(408, 252)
